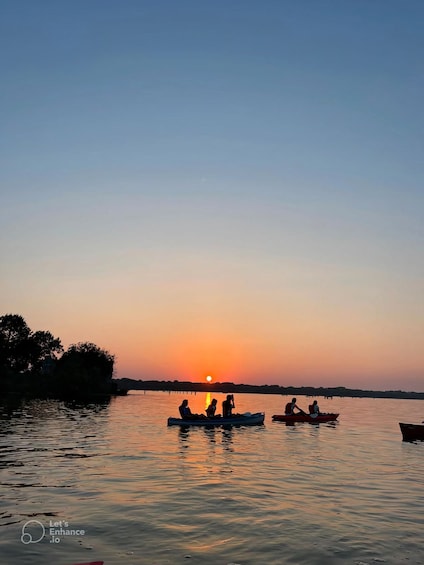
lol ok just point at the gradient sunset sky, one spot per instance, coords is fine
(232, 188)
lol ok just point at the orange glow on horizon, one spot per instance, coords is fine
(304, 356)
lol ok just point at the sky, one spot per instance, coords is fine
(225, 188)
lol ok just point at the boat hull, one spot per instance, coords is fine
(411, 432)
(242, 420)
(304, 418)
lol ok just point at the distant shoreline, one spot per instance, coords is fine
(329, 392)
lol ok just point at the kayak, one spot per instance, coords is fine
(304, 418)
(236, 420)
(411, 432)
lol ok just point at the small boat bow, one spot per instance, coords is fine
(412, 432)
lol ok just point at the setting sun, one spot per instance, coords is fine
(209, 378)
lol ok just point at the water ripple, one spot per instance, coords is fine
(348, 492)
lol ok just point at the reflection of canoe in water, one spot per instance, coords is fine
(236, 420)
(304, 418)
(411, 432)
(91, 563)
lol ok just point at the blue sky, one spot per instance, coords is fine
(224, 180)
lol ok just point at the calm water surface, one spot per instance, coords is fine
(349, 492)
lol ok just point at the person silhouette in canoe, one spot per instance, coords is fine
(291, 407)
(211, 409)
(227, 406)
(314, 409)
(186, 413)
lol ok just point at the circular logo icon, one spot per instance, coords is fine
(33, 531)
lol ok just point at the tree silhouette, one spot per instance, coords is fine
(29, 362)
(85, 368)
(43, 349)
(23, 351)
(14, 343)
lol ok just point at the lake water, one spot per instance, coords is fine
(350, 492)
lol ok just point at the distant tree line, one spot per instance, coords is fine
(229, 387)
(35, 363)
